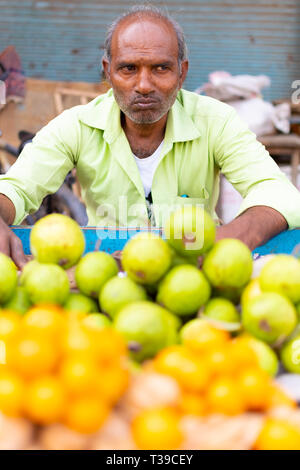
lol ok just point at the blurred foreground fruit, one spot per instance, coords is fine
(118, 292)
(146, 258)
(228, 264)
(86, 415)
(93, 271)
(183, 290)
(46, 321)
(146, 327)
(45, 400)
(47, 283)
(96, 320)
(221, 309)
(158, 429)
(269, 317)
(290, 355)
(19, 301)
(192, 373)
(251, 290)
(81, 303)
(282, 275)
(278, 435)
(198, 335)
(11, 393)
(266, 357)
(224, 397)
(57, 239)
(31, 356)
(190, 230)
(8, 278)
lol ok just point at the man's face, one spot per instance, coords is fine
(144, 71)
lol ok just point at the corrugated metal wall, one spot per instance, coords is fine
(63, 39)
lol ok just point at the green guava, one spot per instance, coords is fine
(118, 292)
(81, 303)
(146, 258)
(251, 290)
(8, 278)
(93, 271)
(228, 264)
(19, 302)
(57, 239)
(97, 321)
(190, 230)
(267, 359)
(147, 327)
(178, 260)
(221, 309)
(282, 274)
(47, 283)
(290, 355)
(230, 293)
(26, 270)
(183, 290)
(270, 317)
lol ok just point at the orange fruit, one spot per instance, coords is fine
(157, 429)
(11, 393)
(109, 345)
(192, 404)
(199, 336)
(219, 361)
(191, 372)
(86, 415)
(277, 434)
(10, 323)
(31, 356)
(79, 375)
(46, 320)
(223, 396)
(253, 384)
(277, 397)
(77, 341)
(44, 400)
(112, 383)
(241, 355)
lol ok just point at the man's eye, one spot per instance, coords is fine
(161, 68)
(128, 68)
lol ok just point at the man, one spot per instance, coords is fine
(148, 138)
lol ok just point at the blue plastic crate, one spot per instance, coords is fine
(111, 240)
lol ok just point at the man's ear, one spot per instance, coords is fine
(106, 69)
(184, 71)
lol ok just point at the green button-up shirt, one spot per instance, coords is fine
(203, 137)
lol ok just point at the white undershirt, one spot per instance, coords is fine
(147, 167)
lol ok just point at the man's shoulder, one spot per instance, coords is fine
(91, 110)
(199, 106)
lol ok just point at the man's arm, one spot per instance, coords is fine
(254, 227)
(10, 244)
(271, 203)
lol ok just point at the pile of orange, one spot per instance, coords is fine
(56, 368)
(217, 374)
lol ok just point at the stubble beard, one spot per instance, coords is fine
(147, 116)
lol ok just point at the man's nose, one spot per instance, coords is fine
(144, 83)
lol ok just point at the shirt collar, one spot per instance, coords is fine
(180, 126)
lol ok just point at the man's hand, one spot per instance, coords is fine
(254, 227)
(11, 245)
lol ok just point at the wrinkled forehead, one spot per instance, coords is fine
(144, 35)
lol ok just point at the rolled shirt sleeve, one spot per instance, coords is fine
(42, 166)
(248, 166)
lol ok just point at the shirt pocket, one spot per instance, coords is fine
(201, 201)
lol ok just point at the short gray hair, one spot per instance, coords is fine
(151, 11)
